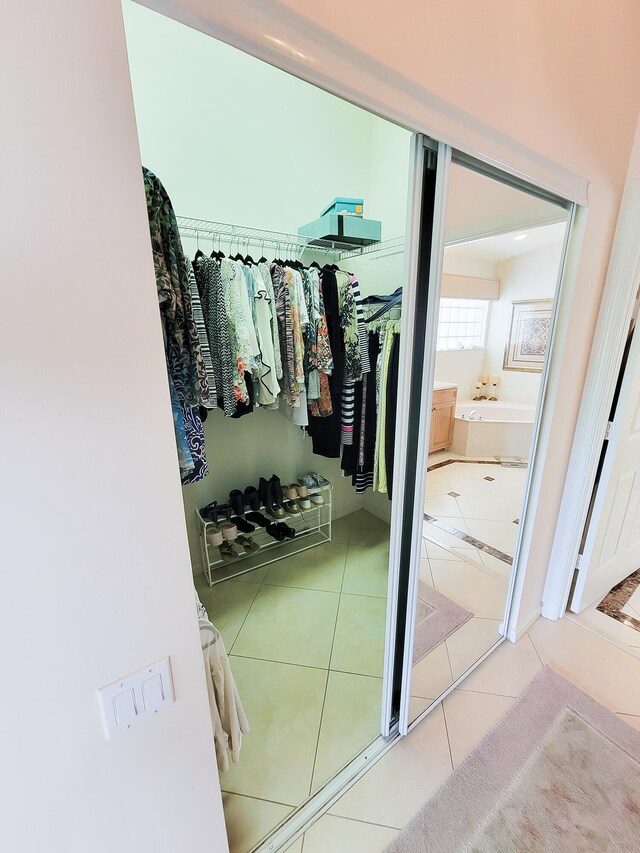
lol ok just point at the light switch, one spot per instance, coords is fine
(135, 698)
(124, 708)
(152, 693)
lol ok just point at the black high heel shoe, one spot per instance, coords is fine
(236, 499)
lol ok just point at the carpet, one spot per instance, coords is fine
(437, 617)
(559, 772)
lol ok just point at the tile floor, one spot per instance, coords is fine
(480, 499)
(305, 638)
(368, 816)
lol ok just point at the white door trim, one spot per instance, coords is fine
(410, 277)
(609, 340)
(270, 31)
(426, 393)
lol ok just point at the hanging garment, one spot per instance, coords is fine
(228, 719)
(209, 280)
(380, 467)
(392, 405)
(238, 324)
(325, 430)
(289, 385)
(268, 386)
(195, 436)
(263, 269)
(203, 339)
(363, 338)
(188, 384)
(172, 281)
(358, 459)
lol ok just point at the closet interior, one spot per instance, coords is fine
(282, 348)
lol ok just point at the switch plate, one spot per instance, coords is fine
(131, 700)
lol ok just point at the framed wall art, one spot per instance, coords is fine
(526, 346)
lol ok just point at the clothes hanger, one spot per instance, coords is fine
(199, 252)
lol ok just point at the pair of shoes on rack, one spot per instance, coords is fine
(280, 531)
(314, 482)
(237, 503)
(228, 551)
(305, 500)
(270, 493)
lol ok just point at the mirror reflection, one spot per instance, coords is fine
(500, 274)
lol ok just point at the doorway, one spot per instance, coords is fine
(318, 634)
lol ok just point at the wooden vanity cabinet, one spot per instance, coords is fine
(443, 412)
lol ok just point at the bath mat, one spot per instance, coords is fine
(559, 772)
(437, 617)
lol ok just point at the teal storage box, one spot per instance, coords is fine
(352, 206)
(343, 229)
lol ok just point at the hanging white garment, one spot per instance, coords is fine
(228, 719)
(268, 385)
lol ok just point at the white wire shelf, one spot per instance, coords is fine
(255, 239)
(313, 528)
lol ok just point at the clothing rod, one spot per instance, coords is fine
(258, 237)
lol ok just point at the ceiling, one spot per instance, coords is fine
(478, 206)
(502, 246)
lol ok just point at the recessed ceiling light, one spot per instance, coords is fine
(521, 237)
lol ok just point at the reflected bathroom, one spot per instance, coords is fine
(500, 277)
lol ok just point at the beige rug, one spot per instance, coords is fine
(559, 774)
(437, 617)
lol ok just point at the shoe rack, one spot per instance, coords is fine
(312, 526)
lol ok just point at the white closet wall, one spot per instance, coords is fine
(235, 140)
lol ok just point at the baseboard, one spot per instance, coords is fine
(346, 509)
(515, 634)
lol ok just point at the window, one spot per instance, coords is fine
(462, 323)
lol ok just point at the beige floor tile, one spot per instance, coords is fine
(403, 780)
(441, 538)
(633, 721)
(364, 519)
(609, 674)
(254, 576)
(248, 820)
(350, 721)
(470, 642)
(340, 835)
(425, 571)
(499, 534)
(367, 570)
(318, 568)
(283, 704)
(469, 717)
(438, 503)
(368, 534)
(507, 671)
(289, 625)
(497, 567)
(227, 605)
(432, 675)
(468, 485)
(471, 588)
(358, 644)
(341, 528)
(491, 507)
(416, 706)
(455, 521)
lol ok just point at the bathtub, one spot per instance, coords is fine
(496, 429)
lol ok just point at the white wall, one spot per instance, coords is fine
(96, 573)
(463, 366)
(108, 588)
(254, 146)
(533, 275)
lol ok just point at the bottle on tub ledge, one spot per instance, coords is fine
(495, 381)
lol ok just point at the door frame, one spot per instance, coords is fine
(268, 30)
(618, 299)
(271, 32)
